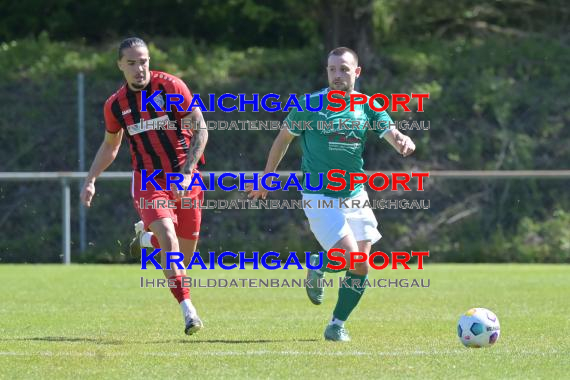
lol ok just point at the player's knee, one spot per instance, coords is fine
(165, 232)
(169, 235)
(361, 268)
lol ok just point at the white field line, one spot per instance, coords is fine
(258, 353)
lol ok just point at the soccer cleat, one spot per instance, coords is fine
(135, 246)
(315, 290)
(336, 333)
(193, 325)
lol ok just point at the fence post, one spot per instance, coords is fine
(81, 154)
(66, 220)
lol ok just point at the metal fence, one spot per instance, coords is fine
(67, 113)
(66, 178)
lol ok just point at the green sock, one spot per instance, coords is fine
(324, 268)
(349, 296)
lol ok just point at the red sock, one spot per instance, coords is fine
(179, 292)
(154, 241)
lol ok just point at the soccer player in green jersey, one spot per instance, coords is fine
(336, 147)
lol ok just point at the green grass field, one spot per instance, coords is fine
(88, 321)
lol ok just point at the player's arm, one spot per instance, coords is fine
(278, 150)
(105, 156)
(402, 143)
(196, 148)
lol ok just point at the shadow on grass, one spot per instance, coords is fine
(171, 341)
(69, 340)
(230, 341)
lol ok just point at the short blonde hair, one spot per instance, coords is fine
(341, 50)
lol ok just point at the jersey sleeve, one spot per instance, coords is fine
(381, 121)
(112, 125)
(293, 122)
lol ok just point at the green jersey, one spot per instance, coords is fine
(334, 140)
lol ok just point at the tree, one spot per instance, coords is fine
(347, 23)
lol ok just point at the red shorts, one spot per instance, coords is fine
(186, 220)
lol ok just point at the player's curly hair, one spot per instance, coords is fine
(129, 43)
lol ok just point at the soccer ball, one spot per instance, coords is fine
(478, 327)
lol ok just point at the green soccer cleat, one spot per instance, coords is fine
(336, 333)
(315, 290)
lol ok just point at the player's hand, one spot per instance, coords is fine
(405, 145)
(256, 194)
(87, 193)
(185, 185)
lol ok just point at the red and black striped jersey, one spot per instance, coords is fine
(163, 148)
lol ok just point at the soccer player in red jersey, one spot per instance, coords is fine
(154, 146)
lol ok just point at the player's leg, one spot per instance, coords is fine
(187, 247)
(363, 246)
(363, 233)
(142, 239)
(363, 226)
(329, 227)
(349, 292)
(162, 222)
(188, 232)
(351, 289)
(165, 231)
(192, 321)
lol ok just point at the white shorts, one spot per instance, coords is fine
(329, 225)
